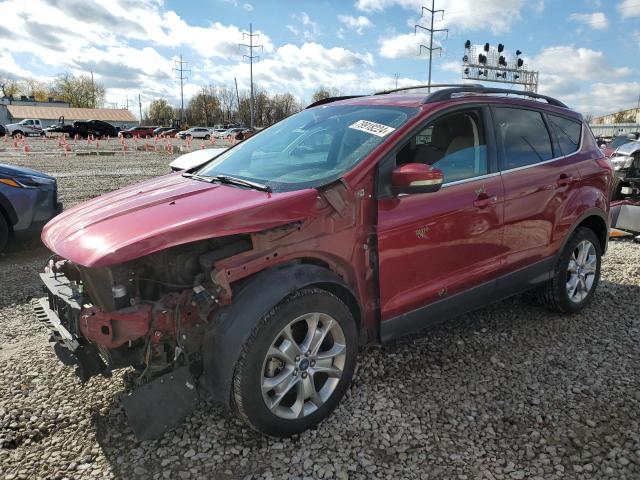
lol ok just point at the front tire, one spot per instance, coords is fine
(576, 275)
(297, 364)
(4, 233)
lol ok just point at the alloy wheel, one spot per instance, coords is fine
(303, 365)
(581, 271)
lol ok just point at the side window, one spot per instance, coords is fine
(568, 133)
(455, 144)
(524, 135)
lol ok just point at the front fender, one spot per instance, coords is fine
(232, 325)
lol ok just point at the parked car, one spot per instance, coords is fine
(3, 131)
(626, 166)
(252, 280)
(161, 130)
(27, 128)
(218, 132)
(170, 133)
(84, 129)
(28, 199)
(616, 142)
(195, 132)
(140, 131)
(195, 159)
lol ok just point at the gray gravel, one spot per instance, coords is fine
(508, 392)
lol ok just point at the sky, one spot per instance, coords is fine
(585, 50)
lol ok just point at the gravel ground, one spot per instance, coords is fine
(510, 391)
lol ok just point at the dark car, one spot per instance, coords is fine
(161, 131)
(3, 131)
(140, 131)
(84, 128)
(28, 200)
(253, 279)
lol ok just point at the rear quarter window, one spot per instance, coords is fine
(568, 132)
(524, 137)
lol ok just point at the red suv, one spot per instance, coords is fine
(253, 279)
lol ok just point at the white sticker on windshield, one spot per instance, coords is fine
(373, 128)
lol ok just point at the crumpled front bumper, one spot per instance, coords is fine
(59, 312)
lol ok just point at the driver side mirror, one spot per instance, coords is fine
(416, 178)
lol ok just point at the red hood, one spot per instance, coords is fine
(163, 212)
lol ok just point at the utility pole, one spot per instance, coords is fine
(396, 75)
(237, 96)
(431, 31)
(181, 74)
(140, 107)
(251, 57)
(93, 91)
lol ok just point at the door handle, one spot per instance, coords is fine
(484, 202)
(564, 180)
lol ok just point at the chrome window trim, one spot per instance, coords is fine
(470, 179)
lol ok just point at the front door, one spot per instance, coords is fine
(439, 246)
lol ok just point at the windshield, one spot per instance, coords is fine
(311, 148)
(617, 141)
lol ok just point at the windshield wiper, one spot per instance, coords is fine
(230, 181)
(243, 183)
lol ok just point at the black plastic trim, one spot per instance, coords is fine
(7, 208)
(446, 94)
(332, 99)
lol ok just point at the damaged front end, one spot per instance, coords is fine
(150, 314)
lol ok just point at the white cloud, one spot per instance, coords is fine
(629, 8)
(309, 28)
(357, 24)
(406, 45)
(465, 15)
(248, 7)
(597, 20)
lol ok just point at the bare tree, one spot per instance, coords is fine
(79, 91)
(9, 87)
(323, 92)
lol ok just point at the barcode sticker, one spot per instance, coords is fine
(373, 128)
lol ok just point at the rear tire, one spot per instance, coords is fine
(207, 137)
(576, 275)
(616, 188)
(16, 133)
(297, 364)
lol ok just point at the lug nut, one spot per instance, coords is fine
(313, 363)
(298, 358)
(295, 372)
(304, 374)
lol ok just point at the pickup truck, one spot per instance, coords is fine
(27, 127)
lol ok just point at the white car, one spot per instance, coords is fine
(195, 132)
(195, 159)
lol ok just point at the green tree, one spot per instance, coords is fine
(80, 91)
(159, 112)
(9, 87)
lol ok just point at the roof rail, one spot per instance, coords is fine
(480, 89)
(332, 99)
(433, 85)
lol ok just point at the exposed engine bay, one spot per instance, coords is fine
(149, 313)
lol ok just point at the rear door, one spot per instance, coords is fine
(435, 246)
(538, 179)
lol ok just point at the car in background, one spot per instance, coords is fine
(195, 132)
(161, 130)
(84, 129)
(626, 168)
(218, 132)
(28, 200)
(27, 127)
(140, 131)
(195, 159)
(170, 133)
(616, 142)
(3, 131)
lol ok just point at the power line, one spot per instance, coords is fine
(181, 74)
(251, 57)
(431, 31)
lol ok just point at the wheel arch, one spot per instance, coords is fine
(232, 325)
(7, 211)
(595, 220)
